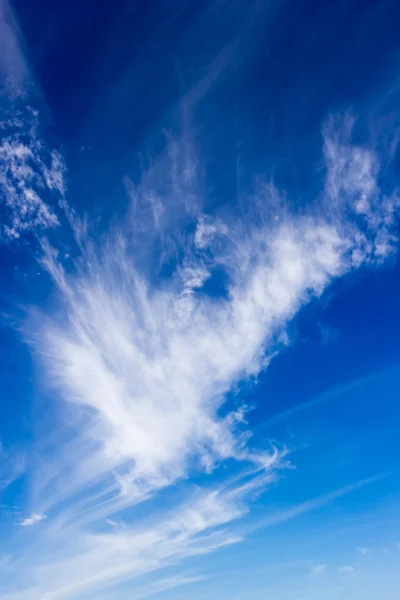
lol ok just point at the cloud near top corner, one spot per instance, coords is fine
(32, 175)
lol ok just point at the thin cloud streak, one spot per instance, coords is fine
(329, 396)
(319, 502)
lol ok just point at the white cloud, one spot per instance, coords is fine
(29, 174)
(363, 551)
(32, 177)
(206, 231)
(98, 560)
(144, 369)
(32, 520)
(154, 365)
(352, 185)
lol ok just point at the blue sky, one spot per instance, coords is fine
(199, 298)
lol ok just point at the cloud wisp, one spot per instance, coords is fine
(143, 366)
(32, 176)
(32, 520)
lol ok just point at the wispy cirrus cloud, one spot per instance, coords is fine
(32, 175)
(316, 503)
(353, 180)
(143, 365)
(12, 467)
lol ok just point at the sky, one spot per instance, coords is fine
(199, 291)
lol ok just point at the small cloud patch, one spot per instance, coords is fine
(32, 520)
(347, 569)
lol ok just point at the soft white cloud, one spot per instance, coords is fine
(98, 560)
(32, 176)
(153, 366)
(29, 175)
(207, 230)
(353, 172)
(32, 520)
(144, 365)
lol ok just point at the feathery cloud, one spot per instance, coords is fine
(144, 364)
(30, 176)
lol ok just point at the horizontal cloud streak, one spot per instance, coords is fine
(316, 503)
